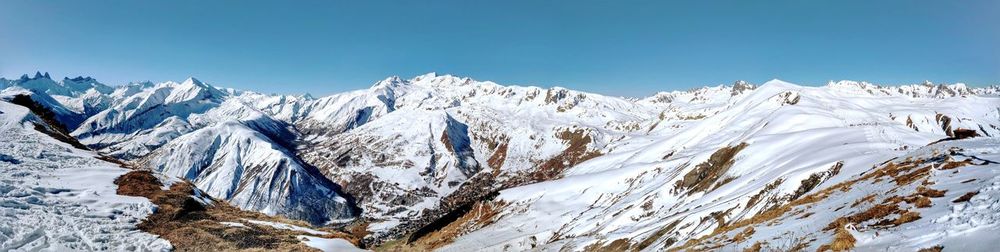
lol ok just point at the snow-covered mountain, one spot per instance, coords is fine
(234, 162)
(452, 163)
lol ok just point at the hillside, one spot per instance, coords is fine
(440, 162)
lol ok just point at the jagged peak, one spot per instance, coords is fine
(80, 79)
(394, 80)
(741, 86)
(38, 76)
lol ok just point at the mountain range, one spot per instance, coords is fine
(440, 162)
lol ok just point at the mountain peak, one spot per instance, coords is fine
(39, 75)
(389, 82)
(193, 81)
(741, 86)
(777, 82)
(425, 76)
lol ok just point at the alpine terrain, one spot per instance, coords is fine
(447, 163)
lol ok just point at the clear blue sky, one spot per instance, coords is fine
(630, 48)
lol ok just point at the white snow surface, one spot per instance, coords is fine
(329, 244)
(791, 132)
(54, 197)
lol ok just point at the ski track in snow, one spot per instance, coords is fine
(56, 198)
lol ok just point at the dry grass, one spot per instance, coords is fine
(874, 213)
(191, 226)
(499, 156)
(842, 241)
(763, 192)
(865, 199)
(906, 217)
(953, 165)
(754, 248)
(921, 202)
(930, 192)
(742, 236)
(913, 176)
(937, 248)
(656, 236)
(614, 246)
(575, 152)
(704, 175)
(482, 214)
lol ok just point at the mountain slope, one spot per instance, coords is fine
(942, 196)
(57, 197)
(689, 177)
(233, 162)
(452, 163)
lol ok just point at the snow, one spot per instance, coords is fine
(328, 244)
(323, 244)
(57, 198)
(253, 149)
(599, 199)
(232, 224)
(956, 226)
(233, 162)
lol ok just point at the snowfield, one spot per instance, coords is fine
(54, 197)
(687, 178)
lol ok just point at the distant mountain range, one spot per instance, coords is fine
(439, 162)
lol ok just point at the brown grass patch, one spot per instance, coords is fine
(575, 152)
(191, 226)
(499, 156)
(906, 217)
(754, 248)
(864, 199)
(953, 164)
(842, 241)
(656, 236)
(614, 246)
(876, 212)
(742, 236)
(937, 248)
(921, 202)
(704, 175)
(482, 214)
(767, 189)
(930, 192)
